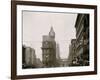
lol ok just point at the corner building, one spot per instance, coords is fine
(49, 49)
(82, 38)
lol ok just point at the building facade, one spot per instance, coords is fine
(58, 59)
(28, 57)
(23, 56)
(49, 49)
(72, 52)
(82, 39)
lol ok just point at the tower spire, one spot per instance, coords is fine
(52, 33)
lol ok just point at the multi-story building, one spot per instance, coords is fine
(33, 57)
(29, 57)
(23, 56)
(58, 59)
(82, 38)
(72, 52)
(49, 49)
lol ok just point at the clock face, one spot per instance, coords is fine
(52, 34)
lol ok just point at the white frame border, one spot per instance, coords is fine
(20, 71)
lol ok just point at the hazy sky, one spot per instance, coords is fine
(37, 24)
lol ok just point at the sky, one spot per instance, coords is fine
(37, 24)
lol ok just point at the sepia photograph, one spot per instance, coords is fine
(52, 39)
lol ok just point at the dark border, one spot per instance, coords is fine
(14, 4)
(13, 40)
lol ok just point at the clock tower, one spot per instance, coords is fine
(49, 49)
(52, 33)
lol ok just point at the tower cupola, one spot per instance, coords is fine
(52, 33)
